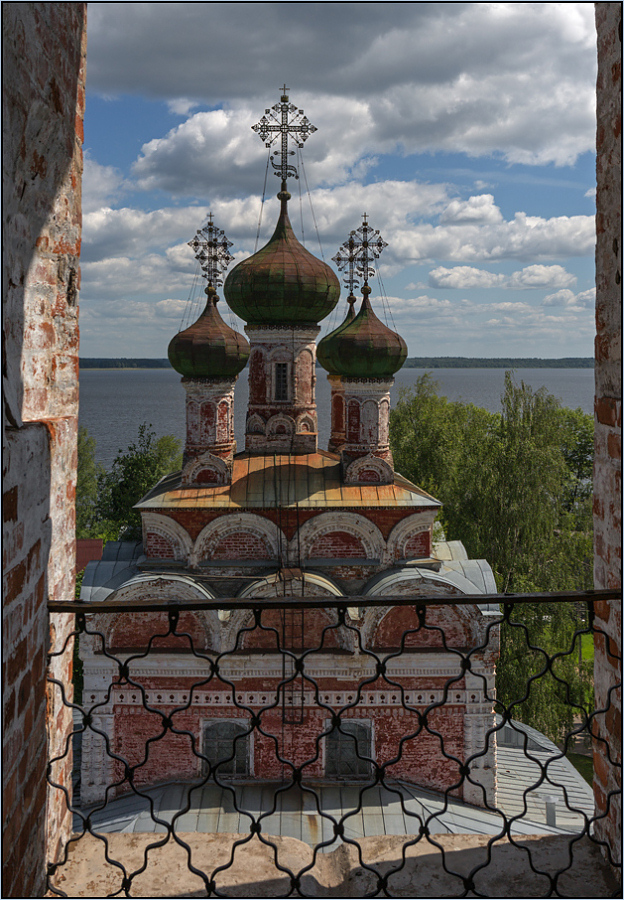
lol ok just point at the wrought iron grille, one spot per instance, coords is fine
(394, 833)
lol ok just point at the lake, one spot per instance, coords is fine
(114, 402)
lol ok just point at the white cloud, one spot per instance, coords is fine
(101, 185)
(479, 210)
(510, 78)
(464, 277)
(570, 300)
(531, 277)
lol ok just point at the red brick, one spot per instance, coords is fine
(614, 446)
(606, 410)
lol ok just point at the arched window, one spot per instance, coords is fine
(223, 745)
(346, 750)
(281, 381)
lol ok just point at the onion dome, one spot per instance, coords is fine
(362, 347)
(321, 350)
(282, 284)
(209, 348)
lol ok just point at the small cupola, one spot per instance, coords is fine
(362, 346)
(209, 348)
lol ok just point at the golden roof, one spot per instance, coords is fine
(281, 480)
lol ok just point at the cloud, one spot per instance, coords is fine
(476, 210)
(101, 185)
(531, 277)
(463, 277)
(508, 78)
(570, 300)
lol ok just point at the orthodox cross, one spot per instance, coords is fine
(358, 254)
(212, 250)
(291, 123)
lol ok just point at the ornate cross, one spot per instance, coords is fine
(358, 254)
(212, 249)
(298, 129)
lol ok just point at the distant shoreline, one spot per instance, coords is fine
(414, 362)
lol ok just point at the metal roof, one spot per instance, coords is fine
(296, 814)
(311, 480)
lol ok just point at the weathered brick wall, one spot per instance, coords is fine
(43, 100)
(608, 418)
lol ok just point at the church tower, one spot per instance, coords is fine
(361, 357)
(209, 355)
(282, 292)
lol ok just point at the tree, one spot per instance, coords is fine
(87, 487)
(516, 489)
(132, 475)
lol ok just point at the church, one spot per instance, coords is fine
(283, 517)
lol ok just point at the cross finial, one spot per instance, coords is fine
(358, 253)
(212, 249)
(291, 124)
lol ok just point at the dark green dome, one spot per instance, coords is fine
(209, 348)
(362, 347)
(282, 284)
(323, 350)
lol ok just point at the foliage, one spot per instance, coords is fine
(86, 487)
(516, 489)
(133, 473)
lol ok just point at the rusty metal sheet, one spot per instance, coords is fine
(264, 482)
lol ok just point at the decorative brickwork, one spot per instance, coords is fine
(43, 105)
(281, 416)
(608, 418)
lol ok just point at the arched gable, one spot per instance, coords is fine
(369, 469)
(382, 628)
(249, 537)
(361, 528)
(166, 533)
(404, 542)
(206, 469)
(136, 629)
(315, 621)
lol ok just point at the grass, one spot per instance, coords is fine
(587, 643)
(584, 765)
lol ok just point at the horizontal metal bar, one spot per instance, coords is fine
(291, 601)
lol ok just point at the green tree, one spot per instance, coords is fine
(133, 473)
(516, 489)
(89, 471)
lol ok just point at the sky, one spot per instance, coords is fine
(465, 131)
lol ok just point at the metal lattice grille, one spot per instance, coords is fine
(180, 739)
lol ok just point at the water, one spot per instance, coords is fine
(114, 402)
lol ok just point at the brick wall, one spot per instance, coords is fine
(608, 418)
(43, 100)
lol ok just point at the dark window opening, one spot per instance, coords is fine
(220, 743)
(281, 381)
(347, 749)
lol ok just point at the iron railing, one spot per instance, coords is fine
(406, 775)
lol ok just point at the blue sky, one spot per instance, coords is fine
(465, 131)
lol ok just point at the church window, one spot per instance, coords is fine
(220, 743)
(347, 749)
(281, 381)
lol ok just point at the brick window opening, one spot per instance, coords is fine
(220, 744)
(344, 749)
(281, 381)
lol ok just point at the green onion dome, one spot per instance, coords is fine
(282, 284)
(209, 348)
(323, 350)
(362, 347)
